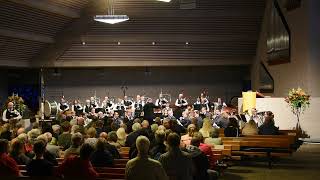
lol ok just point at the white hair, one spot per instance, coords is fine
(143, 144)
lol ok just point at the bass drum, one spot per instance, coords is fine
(50, 108)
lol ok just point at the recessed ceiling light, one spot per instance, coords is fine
(153, 43)
(187, 43)
(164, 0)
(83, 43)
(119, 43)
(111, 19)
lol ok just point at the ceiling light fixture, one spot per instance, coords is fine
(164, 0)
(111, 18)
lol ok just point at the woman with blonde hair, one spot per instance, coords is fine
(186, 139)
(122, 136)
(250, 128)
(206, 128)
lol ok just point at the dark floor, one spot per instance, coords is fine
(303, 164)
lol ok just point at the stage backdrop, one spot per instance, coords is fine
(285, 119)
(224, 82)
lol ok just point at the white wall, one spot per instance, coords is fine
(285, 119)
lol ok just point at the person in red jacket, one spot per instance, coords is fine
(8, 166)
(76, 167)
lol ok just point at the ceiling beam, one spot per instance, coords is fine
(26, 36)
(49, 7)
(143, 63)
(66, 37)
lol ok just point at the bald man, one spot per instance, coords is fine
(10, 115)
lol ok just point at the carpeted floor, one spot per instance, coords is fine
(303, 164)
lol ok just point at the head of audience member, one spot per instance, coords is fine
(33, 134)
(65, 126)
(23, 138)
(80, 121)
(121, 134)
(99, 124)
(191, 129)
(173, 141)
(145, 124)
(137, 120)
(5, 128)
(49, 136)
(91, 132)
(136, 127)
(104, 135)
(76, 139)
(56, 129)
(101, 144)
(166, 123)
(143, 144)
(17, 148)
(157, 120)
(207, 126)
(20, 131)
(161, 127)
(233, 122)
(112, 136)
(154, 128)
(75, 129)
(160, 136)
(214, 133)
(252, 123)
(86, 151)
(268, 118)
(197, 139)
(4, 146)
(43, 138)
(39, 148)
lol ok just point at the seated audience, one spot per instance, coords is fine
(53, 149)
(200, 160)
(186, 139)
(5, 132)
(268, 127)
(64, 140)
(177, 164)
(78, 167)
(205, 148)
(214, 138)
(91, 133)
(121, 134)
(47, 155)
(40, 166)
(8, 166)
(232, 130)
(74, 149)
(159, 146)
(250, 128)
(222, 120)
(143, 167)
(18, 153)
(113, 138)
(101, 157)
(206, 128)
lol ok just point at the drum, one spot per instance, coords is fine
(50, 108)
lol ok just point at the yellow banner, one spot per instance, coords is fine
(249, 101)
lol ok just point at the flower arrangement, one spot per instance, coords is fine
(298, 100)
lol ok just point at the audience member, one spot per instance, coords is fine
(91, 133)
(78, 167)
(268, 127)
(232, 130)
(74, 149)
(250, 128)
(159, 146)
(186, 139)
(177, 164)
(206, 128)
(64, 139)
(8, 166)
(18, 153)
(53, 149)
(214, 138)
(121, 134)
(143, 167)
(39, 166)
(101, 157)
(113, 139)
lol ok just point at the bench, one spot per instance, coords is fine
(262, 145)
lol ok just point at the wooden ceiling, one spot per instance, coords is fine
(219, 32)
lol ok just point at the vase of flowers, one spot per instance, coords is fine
(298, 100)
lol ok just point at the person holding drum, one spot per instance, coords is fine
(10, 115)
